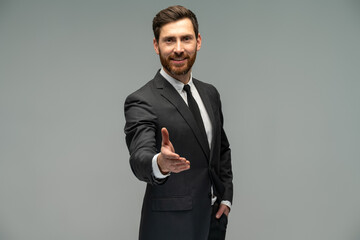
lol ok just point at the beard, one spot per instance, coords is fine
(173, 68)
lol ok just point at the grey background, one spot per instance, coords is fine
(288, 72)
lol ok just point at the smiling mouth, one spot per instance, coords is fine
(179, 60)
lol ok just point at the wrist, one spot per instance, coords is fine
(161, 168)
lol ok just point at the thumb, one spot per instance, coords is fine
(223, 209)
(165, 137)
(220, 211)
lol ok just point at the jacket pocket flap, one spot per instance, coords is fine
(172, 204)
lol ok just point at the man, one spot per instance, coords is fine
(174, 132)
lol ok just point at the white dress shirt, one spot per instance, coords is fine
(179, 86)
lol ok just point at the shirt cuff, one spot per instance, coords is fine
(155, 167)
(227, 203)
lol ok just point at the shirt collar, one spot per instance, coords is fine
(178, 85)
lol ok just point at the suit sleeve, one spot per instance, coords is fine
(140, 130)
(226, 174)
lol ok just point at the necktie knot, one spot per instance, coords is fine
(187, 89)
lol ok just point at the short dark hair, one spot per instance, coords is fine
(173, 14)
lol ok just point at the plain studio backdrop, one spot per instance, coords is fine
(288, 74)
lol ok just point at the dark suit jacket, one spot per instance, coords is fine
(179, 206)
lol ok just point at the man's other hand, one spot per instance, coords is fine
(168, 160)
(223, 209)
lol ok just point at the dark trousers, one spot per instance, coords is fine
(217, 226)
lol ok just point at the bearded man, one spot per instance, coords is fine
(177, 144)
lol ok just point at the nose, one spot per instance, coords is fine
(178, 47)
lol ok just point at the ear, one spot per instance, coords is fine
(198, 41)
(156, 46)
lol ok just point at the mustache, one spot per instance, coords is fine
(181, 56)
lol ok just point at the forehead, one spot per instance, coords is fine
(177, 28)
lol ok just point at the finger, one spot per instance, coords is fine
(169, 155)
(181, 161)
(221, 210)
(165, 136)
(181, 168)
(184, 160)
(180, 164)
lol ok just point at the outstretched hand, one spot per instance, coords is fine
(168, 160)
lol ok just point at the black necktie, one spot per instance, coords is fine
(194, 108)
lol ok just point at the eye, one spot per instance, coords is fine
(168, 40)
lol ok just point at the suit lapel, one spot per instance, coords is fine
(201, 88)
(169, 92)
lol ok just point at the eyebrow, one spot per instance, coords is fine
(172, 36)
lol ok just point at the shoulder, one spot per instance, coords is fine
(209, 88)
(142, 94)
(148, 91)
(139, 105)
(143, 89)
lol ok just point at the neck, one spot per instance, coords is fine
(184, 78)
